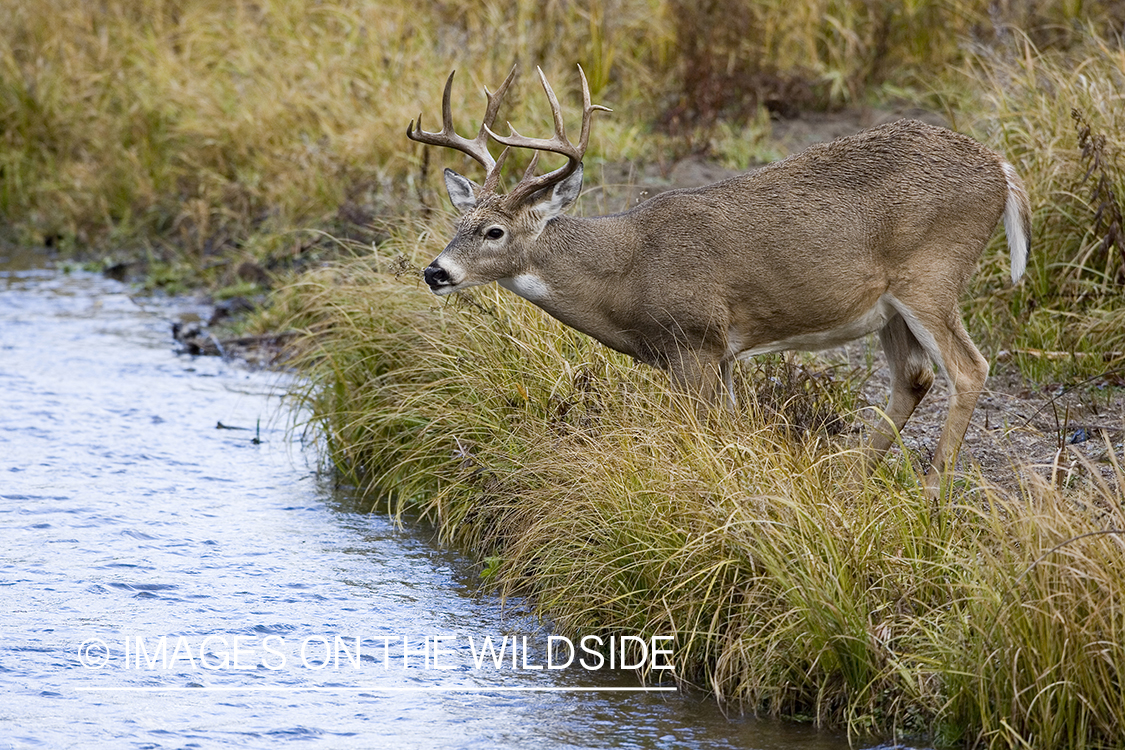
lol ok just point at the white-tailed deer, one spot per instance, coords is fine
(879, 231)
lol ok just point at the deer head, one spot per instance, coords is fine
(496, 229)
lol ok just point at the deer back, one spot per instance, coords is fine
(805, 244)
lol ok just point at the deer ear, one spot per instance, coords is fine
(462, 191)
(553, 201)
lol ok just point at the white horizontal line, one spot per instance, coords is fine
(377, 689)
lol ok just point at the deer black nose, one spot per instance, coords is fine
(436, 276)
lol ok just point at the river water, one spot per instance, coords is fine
(167, 583)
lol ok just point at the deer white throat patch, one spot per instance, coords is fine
(527, 285)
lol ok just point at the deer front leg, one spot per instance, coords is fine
(697, 376)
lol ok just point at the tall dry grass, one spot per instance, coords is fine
(1058, 116)
(792, 591)
(202, 134)
(210, 131)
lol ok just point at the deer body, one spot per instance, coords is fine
(876, 232)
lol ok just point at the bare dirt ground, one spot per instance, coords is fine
(1058, 431)
(1063, 434)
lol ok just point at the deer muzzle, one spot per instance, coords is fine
(437, 278)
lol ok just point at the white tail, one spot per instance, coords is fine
(880, 231)
(1017, 222)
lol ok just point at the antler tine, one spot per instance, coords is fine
(477, 148)
(494, 104)
(556, 110)
(584, 139)
(530, 171)
(558, 143)
(492, 180)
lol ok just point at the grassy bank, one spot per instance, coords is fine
(791, 591)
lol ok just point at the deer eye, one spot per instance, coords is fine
(494, 233)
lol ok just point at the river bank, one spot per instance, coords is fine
(168, 581)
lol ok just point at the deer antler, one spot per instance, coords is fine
(558, 143)
(477, 148)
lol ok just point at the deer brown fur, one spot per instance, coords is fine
(876, 232)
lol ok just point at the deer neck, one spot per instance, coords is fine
(575, 271)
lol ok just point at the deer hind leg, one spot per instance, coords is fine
(968, 371)
(947, 342)
(912, 374)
